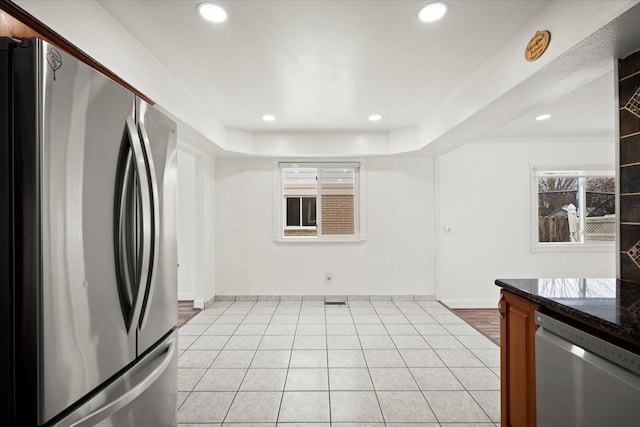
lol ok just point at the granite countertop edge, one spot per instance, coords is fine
(631, 334)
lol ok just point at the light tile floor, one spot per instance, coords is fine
(295, 363)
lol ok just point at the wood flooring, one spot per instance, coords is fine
(485, 320)
(186, 312)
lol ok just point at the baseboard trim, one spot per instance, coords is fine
(186, 296)
(208, 303)
(324, 298)
(470, 303)
(199, 303)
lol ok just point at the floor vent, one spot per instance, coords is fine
(335, 303)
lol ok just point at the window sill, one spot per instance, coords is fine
(609, 246)
(320, 240)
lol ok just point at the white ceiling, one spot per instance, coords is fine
(587, 111)
(322, 65)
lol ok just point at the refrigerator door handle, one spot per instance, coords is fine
(125, 268)
(123, 400)
(155, 218)
(143, 257)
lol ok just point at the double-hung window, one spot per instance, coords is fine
(573, 208)
(319, 201)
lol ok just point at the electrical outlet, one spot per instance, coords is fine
(327, 277)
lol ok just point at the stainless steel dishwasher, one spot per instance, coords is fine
(582, 380)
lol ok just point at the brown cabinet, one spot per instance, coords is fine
(517, 361)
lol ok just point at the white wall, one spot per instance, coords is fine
(205, 218)
(196, 224)
(484, 195)
(187, 230)
(397, 258)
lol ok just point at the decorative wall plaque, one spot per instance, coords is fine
(537, 45)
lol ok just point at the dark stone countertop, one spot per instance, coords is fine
(609, 305)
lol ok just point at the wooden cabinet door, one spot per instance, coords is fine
(517, 357)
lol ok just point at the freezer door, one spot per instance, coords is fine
(76, 317)
(160, 310)
(143, 396)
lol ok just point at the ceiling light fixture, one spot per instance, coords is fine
(375, 117)
(268, 117)
(542, 117)
(432, 12)
(212, 12)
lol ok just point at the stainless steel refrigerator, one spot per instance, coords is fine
(87, 247)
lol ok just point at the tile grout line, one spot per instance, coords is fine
(422, 310)
(482, 332)
(478, 403)
(217, 317)
(465, 346)
(465, 387)
(470, 351)
(366, 364)
(250, 362)
(191, 391)
(449, 333)
(326, 341)
(286, 377)
(447, 366)
(405, 362)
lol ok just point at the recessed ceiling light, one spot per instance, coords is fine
(268, 117)
(432, 12)
(374, 117)
(212, 12)
(542, 117)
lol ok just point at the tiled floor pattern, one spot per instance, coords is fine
(295, 363)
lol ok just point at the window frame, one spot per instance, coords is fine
(577, 172)
(279, 212)
(300, 210)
